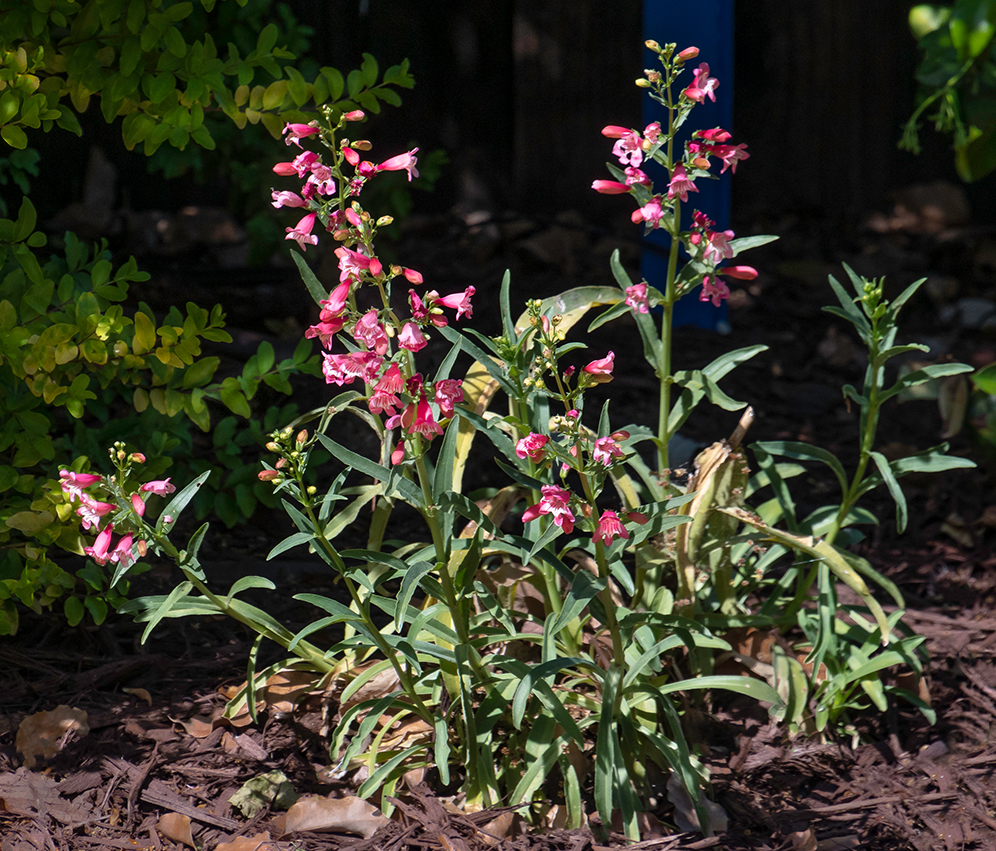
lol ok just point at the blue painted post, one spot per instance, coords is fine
(707, 25)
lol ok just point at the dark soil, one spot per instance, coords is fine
(897, 784)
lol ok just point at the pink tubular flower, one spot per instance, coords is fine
(425, 423)
(652, 212)
(301, 232)
(609, 187)
(680, 184)
(460, 302)
(412, 338)
(532, 446)
(652, 132)
(402, 162)
(636, 177)
(716, 135)
(92, 510)
(719, 245)
(122, 553)
(351, 263)
(555, 501)
(704, 85)
(370, 333)
(326, 330)
(614, 131)
(160, 487)
(398, 454)
(741, 273)
(100, 551)
(287, 199)
(138, 504)
(730, 154)
(449, 392)
(629, 149)
(688, 53)
(636, 297)
(609, 527)
(336, 302)
(602, 366)
(354, 115)
(605, 450)
(294, 133)
(714, 289)
(384, 399)
(412, 276)
(73, 483)
(345, 369)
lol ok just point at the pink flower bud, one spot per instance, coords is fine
(609, 187)
(354, 115)
(687, 53)
(614, 131)
(267, 475)
(742, 273)
(138, 504)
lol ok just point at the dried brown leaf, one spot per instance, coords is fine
(343, 815)
(259, 842)
(200, 727)
(45, 733)
(140, 693)
(176, 828)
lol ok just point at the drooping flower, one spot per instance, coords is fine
(449, 392)
(73, 483)
(294, 133)
(92, 511)
(605, 449)
(532, 446)
(345, 369)
(609, 527)
(609, 187)
(425, 423)
(122, 553)
(636, 297)
(301, 232)
(556, 502)
(402, 162)
(384, 400)
(714, 289)
(370, 333)
(635, 177)
(681, 184)
(160, 487)
(730, 154)
(326, 330)
(412, 338)
(703, 86)
(100, 551)
(652, 132)
(287, 199)
(460, 302)
(651, 213)
(719, 247)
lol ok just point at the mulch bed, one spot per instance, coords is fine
(898, 784)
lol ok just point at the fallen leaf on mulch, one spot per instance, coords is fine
(259, 842)
(343, 815)
(44, 734)
(199, 727)
(272, 788)
(26, 793)
(140, 693)
(176, 828)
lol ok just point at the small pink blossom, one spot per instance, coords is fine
(449, 392)
(384, 399)
(100, 551)
(398, 454)
(636, 297)
(412, 338)
(652, 132)
(605, 449)
(703, 87)
(555, 501)
(336, 302)
(122, 553)
(138, 504)
(609, 527)
(460, 302)
(730, 154)
(295, 132)
(652, 212)
(351, 263)
(92, 511)
(609, 187)
(402, 162)
(714, 289)
(370, 333)
(629, 149)
(345, 369)
(301, 232)
(287, 199)
(425, 424)
(326, 330)
(412, 276)
(160, 487)
(602, 366)
(321, 180)
(350, 155)
(716, 135)
(532, 446)
(73, 483)
(635, 177)
(680, 184)
(719, 247)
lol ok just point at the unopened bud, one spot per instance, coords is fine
(281, 463)
(167, 520)
(121, 455)
(302, 436)
(312, 490)
(273, 447)
(340, 235)
(686, 54)
(142, 548)
(654, 76)
(700, 162)
(652, 45)
(354, 115)
(383, 221)
(361, 145)
(268, 475)
(643, 83)
(137, 458)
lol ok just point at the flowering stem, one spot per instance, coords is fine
(664, 412)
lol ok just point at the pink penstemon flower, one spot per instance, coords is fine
(100, 551)
(460, 302)
(730, 154)
(384, 399)
(629, 149)
(449, 392)
(652, 212)
(92, 510)
(555, 502)
(681, 184)
(424, 422)
(605, 450)
(412, 338)
(609, 527)
(294, 133)
(719, 247)
(600, 367)
(636, 297)
(402, 162)
(287, 199)
(714, 289)
(609, 187)
(532, 446)
(160, 487)
(73, 483)
(301, 232)
(370, 333)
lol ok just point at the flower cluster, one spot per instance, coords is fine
(707, 248)
(379, 344)
(94, 512)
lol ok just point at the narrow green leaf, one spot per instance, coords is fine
(894, 489)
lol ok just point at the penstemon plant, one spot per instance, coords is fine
(526, 647)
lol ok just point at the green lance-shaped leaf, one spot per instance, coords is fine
(820, 551)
